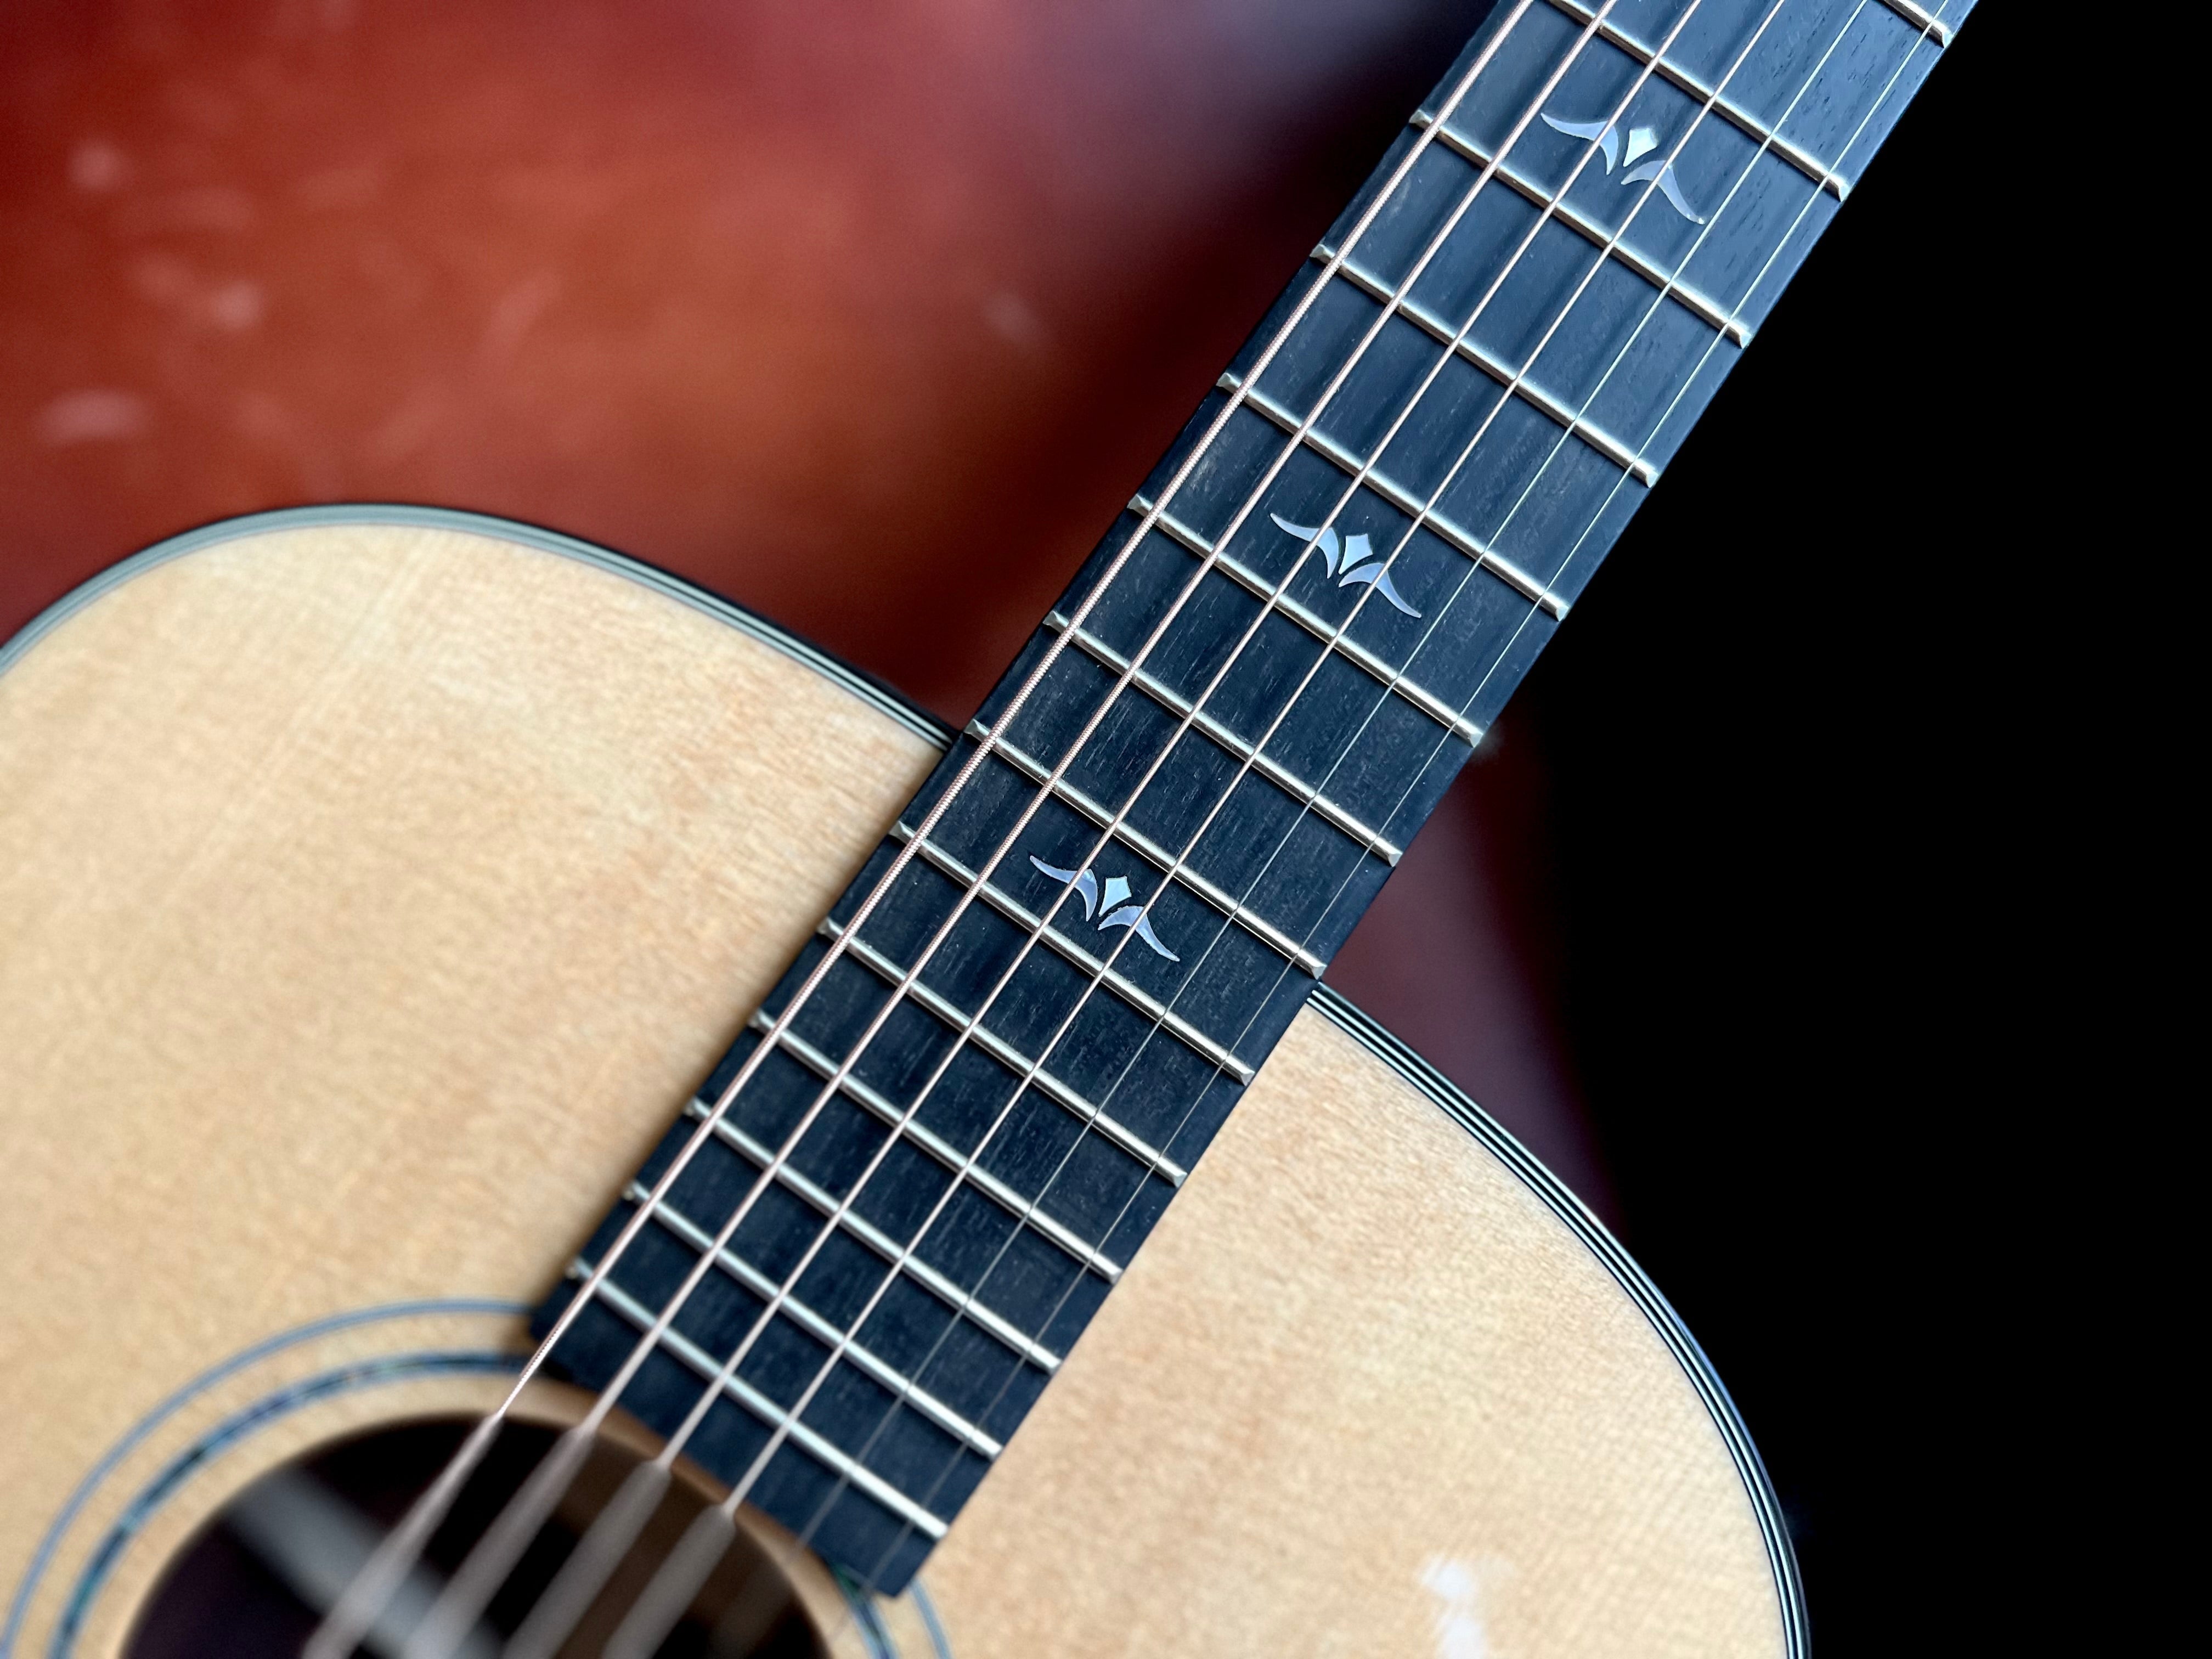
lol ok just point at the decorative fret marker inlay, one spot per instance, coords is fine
(1358, 561)
(1117, 888)
(1640, 140)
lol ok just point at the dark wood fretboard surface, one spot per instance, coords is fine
(1103, 911)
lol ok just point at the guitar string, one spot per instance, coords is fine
(1157, 1023)
(1006, 978)
(344, 1625)
(1565, 436)
(1565, 311)
(1572, 298)
(799, 1406)
(1782, 246)
(707, 1397)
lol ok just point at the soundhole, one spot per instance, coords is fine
(257, 1579)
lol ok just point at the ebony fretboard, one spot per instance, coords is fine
(1239, 712)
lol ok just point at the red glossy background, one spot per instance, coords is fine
(867, 316)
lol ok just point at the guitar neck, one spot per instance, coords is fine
(913, 1181)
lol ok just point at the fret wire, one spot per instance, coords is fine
(1619, 484)
(1006, 1053)
(1707, 311)
(1927, 24)
(881, 1107)
(962, 1302)
(1515, 384)
(1571, 419)
(1922, 19)
(1826, 176)
(1281, 777)
(1769, 140)
(866, 1359)
(768, 1411)
(1135, 995)
(1102, 815)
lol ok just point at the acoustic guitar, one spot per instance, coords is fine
(545, 1116)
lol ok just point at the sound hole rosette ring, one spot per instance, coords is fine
(172, 1484)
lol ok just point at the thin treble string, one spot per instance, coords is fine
(343, 1628)
(1620, 357)
(759, 1324)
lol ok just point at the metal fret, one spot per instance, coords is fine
(882, 1108)
(882, 1244)
(814, 1324)
(1038, 772)
(1024, 918)
(1922, 19)
(1281, 777)
(698, 1359)
(1518, 384)
(1007, 1055)
(1742, 120)
(1707, 311)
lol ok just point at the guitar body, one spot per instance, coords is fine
(374, 884)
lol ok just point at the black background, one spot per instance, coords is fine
(1785, 733)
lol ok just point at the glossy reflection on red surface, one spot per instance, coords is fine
(868, 317)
